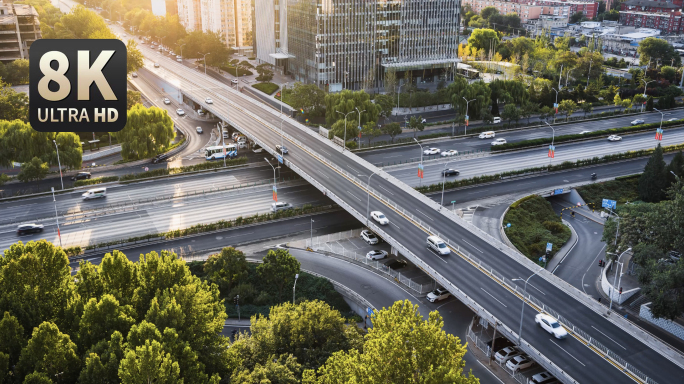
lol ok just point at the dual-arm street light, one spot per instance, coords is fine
(421, 157)
(368, 202)
(522, 311)
(357, 110)
(556, 106)
(294, 286)
(444, 181)
(467, 104)
(553, 135)
(345, 127)
(205, 62)
(662, 114)
(617, 261)
(59, 164)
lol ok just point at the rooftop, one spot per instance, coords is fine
(651, 3)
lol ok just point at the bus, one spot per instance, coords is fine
(216, 152)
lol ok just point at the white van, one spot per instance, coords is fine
(487, 135)
(94, 193)
(437, 245)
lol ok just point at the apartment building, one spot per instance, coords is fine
(526, 12)
(651, 6)
(159, 8)
(219, 16)
(589, 8)
(19, 28)
(665, 22)
(189, 14)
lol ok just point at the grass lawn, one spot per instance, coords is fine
(231, 70)
(286, 97)
(621, 190)
(533, 224)
(256, 297)
(267, 88)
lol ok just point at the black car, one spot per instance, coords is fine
(450, 172)
(160, 158)
(26, 229)
(81, 176)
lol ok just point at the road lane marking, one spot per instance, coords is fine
(424, 214)
(395, 225)
(563, 349)
(380, 186)
(592, 263)
(477, 249)
(389, 157)
(354, 196)
(448, 302)
(609, 338)
(492, 296)
(357, 172)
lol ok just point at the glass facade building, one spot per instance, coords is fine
(349, 44)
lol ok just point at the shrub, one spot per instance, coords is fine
(97, 180)
(267, 88)
(73, 251)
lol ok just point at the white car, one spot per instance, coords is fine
(180, 112)
(200, 112)
(280, 206)
(584, 132)
(234, 81)
(376, 254)
(437, 245)
(550, 325)
(451, 152)
(379, 218)
(542, 378)
(506, 354)
(134, 74)
(166, 101)
(614, 138)
(519, 362)
(499, 142)
(369, 237)
(208, 100)
(496, 120)
(156, 65)
(199, 130)
(431, 151)
(637, 122)
(673, 119)
(438, 294)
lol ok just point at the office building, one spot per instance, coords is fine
(219, 16)
(350, 44)
(159, 8)
(189, 14)
(270, 29)
(19, 28)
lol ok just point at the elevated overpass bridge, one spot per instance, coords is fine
(481, 271)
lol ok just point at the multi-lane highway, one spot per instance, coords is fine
(307, 154)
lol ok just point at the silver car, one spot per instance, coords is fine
(280, 206)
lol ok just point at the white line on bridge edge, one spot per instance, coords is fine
(472, 246)
(563, 349)
(492, 296)
(609, 338)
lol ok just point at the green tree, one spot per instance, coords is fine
(401, 348)
(391, 129)
(36, 284)
(278, 269)
(3, 179)
(668, 72)
(371, 131)
(149, 364)
(21, 143)
(17, 72)
(12, 339)
(51, 352)
(482, 38)
(101, 318)
(587, 108)
(577, 17)
(653, 182)
(488, 12)
(653, 50)
(226, 269)
(344, 130)
(391, 82)
(13, 104)
(37, 378)
(528, 109)
(386, 103)
(102, 361)
(35, 169)
(649, 104)
(282, 370)
(510, 113)
(347, 101)
(568, 107)
(132, 98)
(416, 123)
(308, 97)
(265, 72)
(134, 58)
(676, 166)
(148, 131)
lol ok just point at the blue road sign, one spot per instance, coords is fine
(549, 246)
(280, 159)
(558, 191)
(369, 311)
(508, 225)
(609, 203)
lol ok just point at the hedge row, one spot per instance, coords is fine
(563, 138)
(97, 180)
(546, 168)
(221, 224)
(188, 168)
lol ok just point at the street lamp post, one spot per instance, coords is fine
(205, 62)
(59, 164)
(311, 238)
(357, 110)
(181, 47)
(555, 106)
(662, 114)
(223, 140)
(344, 143)
(553, 135)
(399, 92)
(421, 157)
(59, 235)
(368, 202)
(293, 288)
(274, 172)
(282, 140)
(444, 181)
(467, 104)
(617, 261)
(522, 311)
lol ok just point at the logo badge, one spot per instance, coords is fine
(77, 85)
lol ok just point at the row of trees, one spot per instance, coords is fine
(490, 17)
(654, 228)
(154, 321)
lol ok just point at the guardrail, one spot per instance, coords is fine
(453, 289)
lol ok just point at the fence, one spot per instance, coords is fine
(486, 349)
(525, 346)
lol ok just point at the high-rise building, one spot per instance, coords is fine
(270, 29)
(19, 28)
(189, 14)
(243, 23)
(159, 8)
(219, 16)
(350, 44)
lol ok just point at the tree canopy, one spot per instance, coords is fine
(148, 131)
